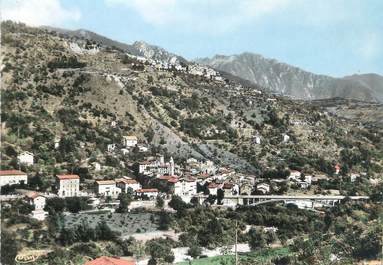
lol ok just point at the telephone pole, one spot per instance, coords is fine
(236, 241)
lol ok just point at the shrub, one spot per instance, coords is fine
(65, 62)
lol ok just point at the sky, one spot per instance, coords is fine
(332, 37)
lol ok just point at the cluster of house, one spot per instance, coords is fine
(83, 47)
(195, 176)
(13, 177)
(157, 166)
(68, 186)
(203, 174)
(302, 181)
(193, 69)
(128, 143)
(200, 70)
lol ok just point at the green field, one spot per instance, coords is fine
(256, 257)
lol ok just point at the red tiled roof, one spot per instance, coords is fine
(203, 175)
(170, 179)
(190, 179)
(105, 182)
(62, 177)
(173, 180)
(165, 177)
(127, 181)
(146, 190)
(11, 172)
(228, 185)
(110, 261)
(32, 194)
(213, 185)
(130, 137)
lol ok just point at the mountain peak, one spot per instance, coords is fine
(157, 53)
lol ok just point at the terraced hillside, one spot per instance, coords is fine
(70, 90)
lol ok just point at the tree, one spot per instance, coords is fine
(271, 237)
(344, 170)
(104, 232)
(125, 200)
(67, 144)
(55, 204)
(152, 261)
(256, 239)
(282, 260)
(194, 251)
(160, 202)
(85, 232)
(164, 221)
(149, 134)
(160, 250)
(37, 182)
(89, 249)
(178, 204)
(212, 233)
(220, 196)
(68, 236)
(53, 224)
(211, 199)
(194, 201)
(368, 246)
(75, 204)
(115, 249)
(9, 247)
(24, 208)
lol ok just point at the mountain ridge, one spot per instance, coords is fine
(268, 73)
(137, 48)
(294, 81)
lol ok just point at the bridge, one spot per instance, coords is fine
(305, 201)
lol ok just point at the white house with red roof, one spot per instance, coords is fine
(213, 188)
(12, 177)
(129, 141)
(107, 188)
(68, 185)
(38, 201)
(125, 183)
(294, 175)
(149, 193)
(230, 189)
(186, 187)
(172, 182)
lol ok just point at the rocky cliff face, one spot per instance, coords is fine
(293, 81)
(156, 53)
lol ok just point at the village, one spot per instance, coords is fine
(149, 159)
(193, 179)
